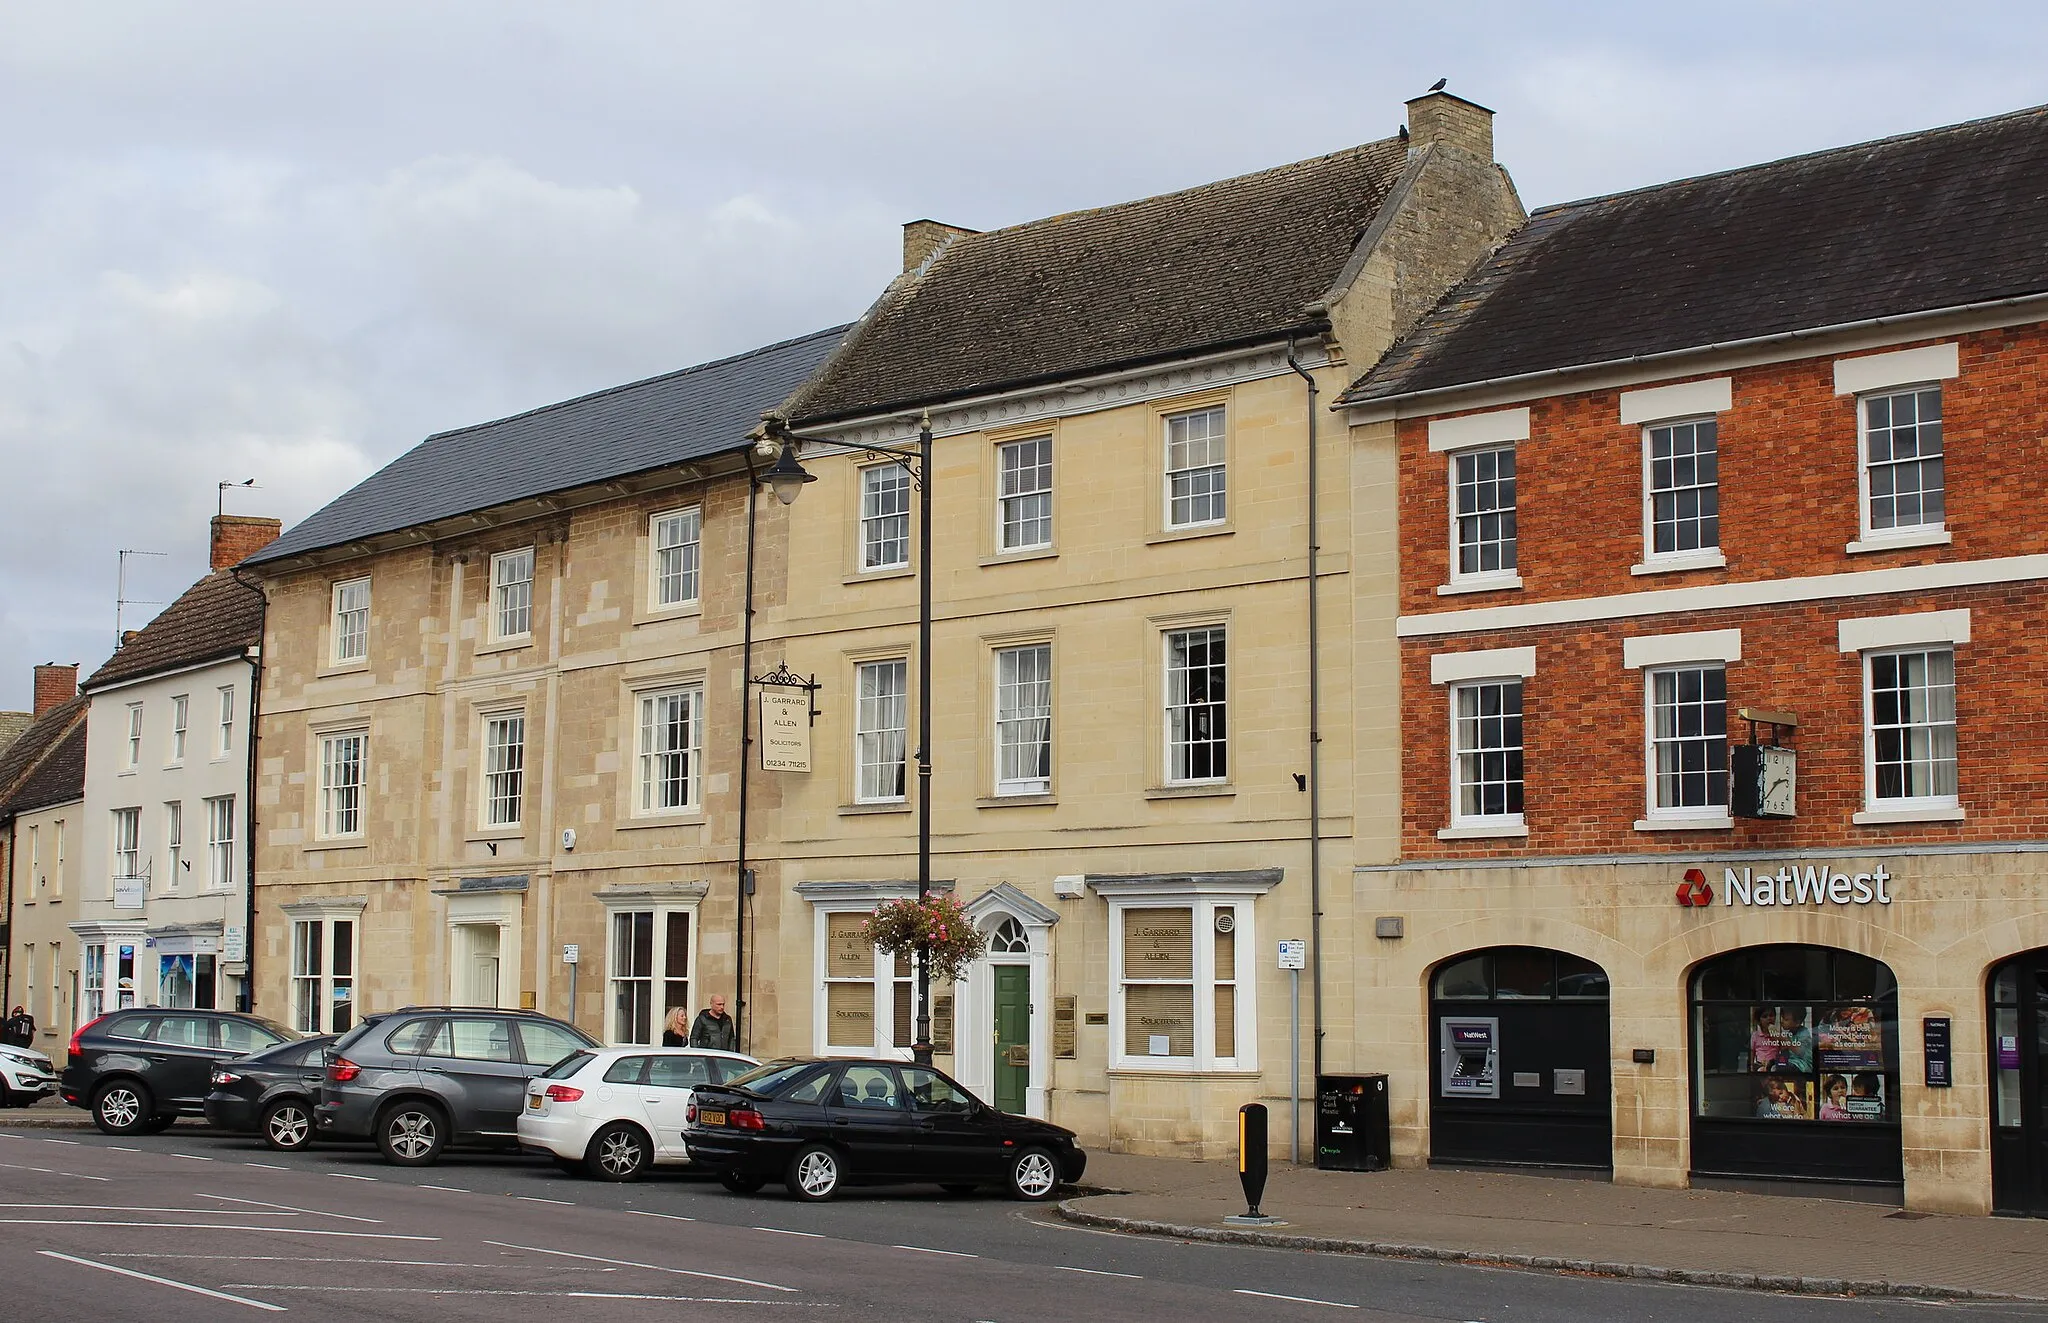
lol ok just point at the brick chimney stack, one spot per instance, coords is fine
(1452, 121)
(55, 685)
(237, 537)
(922, 238)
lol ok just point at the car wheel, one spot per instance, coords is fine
(121, 1108)
(1034, 1176)
(959, 1189)
(287, 1125)
(619, 1152)
(412, 1134)
(740, 1182)
(814, 1173)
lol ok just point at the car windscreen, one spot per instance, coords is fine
(766, 1081)
(567, 1066)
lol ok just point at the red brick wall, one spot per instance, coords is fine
(56, 685)
(237, 537)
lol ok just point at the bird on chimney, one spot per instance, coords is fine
(1438, 85)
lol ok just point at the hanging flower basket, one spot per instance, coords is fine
(938, 925)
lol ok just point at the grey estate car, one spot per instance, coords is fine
(419, 1079)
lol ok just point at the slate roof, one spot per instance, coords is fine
(217, 617)
(678, 416)
(1925, 221)
(1224, 264)
(23, 760)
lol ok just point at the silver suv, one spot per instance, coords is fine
(419, 1079)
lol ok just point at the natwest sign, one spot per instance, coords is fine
(1815, 884)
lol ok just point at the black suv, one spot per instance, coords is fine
(138, 1070)
(419, 1079)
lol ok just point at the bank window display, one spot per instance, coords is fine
(1796, 1034)
(869, 994)
(1183, 991)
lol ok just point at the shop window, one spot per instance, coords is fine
(869, 994)
(1796, 1033)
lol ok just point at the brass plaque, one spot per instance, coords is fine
(1095, 1017)
(1063, 1027)
(1017, 1054)
(942, 1024)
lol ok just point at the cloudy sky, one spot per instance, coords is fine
(287, 241)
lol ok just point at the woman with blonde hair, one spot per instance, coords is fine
(675, 1030)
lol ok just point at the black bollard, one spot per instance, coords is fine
(1251, 1155)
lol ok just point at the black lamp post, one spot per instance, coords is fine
(786, 479)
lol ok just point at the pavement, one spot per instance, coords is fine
(1769, 1241)
(51, 1113)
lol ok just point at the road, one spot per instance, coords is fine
(195, 1225)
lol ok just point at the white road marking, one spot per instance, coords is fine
(72, 1142)
(133, 1208)
(536, 1199)
(1297, 1299)
(546, 1295)
(267, 1166)
(654, 1267)
(807, 1235)
(201, 1226)
(349, 1176)
(289, 1208)
(165, 1281)
(310, 1258)
(920, 1249)
(77, 1176)
(445, 1189)
(118, 1149)
(1099, 1272)
(667, 1217)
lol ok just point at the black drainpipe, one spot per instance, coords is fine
(247, 1001)
(1315, 741)
(741, 984)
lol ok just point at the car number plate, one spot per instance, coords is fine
(533, 1101)
(708, 1117)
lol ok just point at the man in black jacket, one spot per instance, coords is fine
(713, 1028)
(20, 1029)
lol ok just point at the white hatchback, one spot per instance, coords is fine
(616, 1111)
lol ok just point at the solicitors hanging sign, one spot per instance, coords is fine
(1789, 885)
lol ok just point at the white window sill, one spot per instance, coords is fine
(1883, 817)
(654, 615)
(1704, 560)
(1179, 1066)
(511, 831)
(881, 806)
(1918, 537)
(1192, 790)
(1485, 832)
(1479, 584)
(1020, 799)
(355, 667)
(1182, 532)
(1721, 823)
(879, 572)
(504, 645)
(666, 818)
(338, 843)
(1019, 553)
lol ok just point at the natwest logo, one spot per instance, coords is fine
(1694, 891)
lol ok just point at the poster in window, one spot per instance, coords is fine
(1784, 1098)
(1781, 1041)
(1850, 1038)
(1858, 1096)
(1471, 1056)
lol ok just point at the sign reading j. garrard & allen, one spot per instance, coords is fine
(1815, 884)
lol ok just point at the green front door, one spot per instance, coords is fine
(1013, 1035)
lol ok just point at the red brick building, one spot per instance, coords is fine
(1757, 443)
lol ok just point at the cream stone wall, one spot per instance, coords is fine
(45, 902)
(1954, 917)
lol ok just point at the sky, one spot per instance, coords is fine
(287, 242)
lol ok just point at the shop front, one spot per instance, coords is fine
(2018, 1015)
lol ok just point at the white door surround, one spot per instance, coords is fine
(974, 997)
(499, 904)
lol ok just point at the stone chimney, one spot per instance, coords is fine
(1452, 121)
(922, 238)
(237, 537)
(55, 685)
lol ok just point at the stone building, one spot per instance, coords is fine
(1721, 678)
(42, 787)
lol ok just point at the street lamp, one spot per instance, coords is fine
(786, 479)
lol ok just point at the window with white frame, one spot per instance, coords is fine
(1024, 494)
(881, 708)
(134, 754)
(224, 741)
(32, 884)
(174, 843)
(53, 1013)
(220, 843)
(323, 975)
(1197, 742)
(127, 842)
(678, 552)
(1683, 491)
(1196, 483)
(1486, 753)
(504, 769)
(1024, 720)
(1910, 728)
(512, 594)
(341, 783)
(869, 994)
(1483, 513)
(57, 878)
(1182, 985)
(1688, 741)
(351, 621)
(92, 962)
(884, 517)
(671, 750)
(649, 970)
(1903, 482)
(180, 711)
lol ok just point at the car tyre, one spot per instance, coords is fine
(619, 1152)
(740, 1182)
(287, 1125)
(815, 1173)
(1033, 1176)
(412, 1134)
(121, 1108)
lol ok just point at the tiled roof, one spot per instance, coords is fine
(1224, 264)
(58, 779)
(1926, 221)
(21, 760)
(689, 414)
(217, 617)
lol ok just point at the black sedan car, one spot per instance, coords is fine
(270, 1092)
(819, 1125)
(141, 1068)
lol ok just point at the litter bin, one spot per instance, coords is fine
(1352, 1128)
